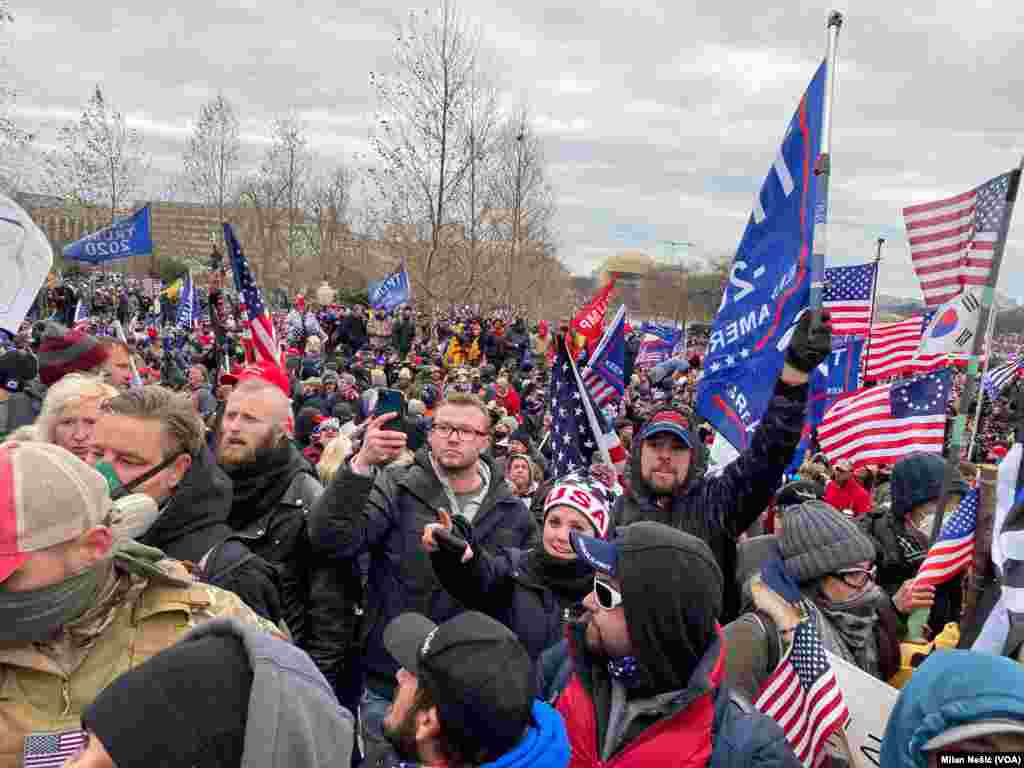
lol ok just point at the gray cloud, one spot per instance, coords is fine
(660, 120)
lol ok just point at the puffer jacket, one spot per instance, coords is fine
(950, 689)
(718, 509)
(384, 516)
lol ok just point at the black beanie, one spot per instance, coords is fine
(186, 706)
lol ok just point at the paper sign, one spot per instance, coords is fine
(870, 701)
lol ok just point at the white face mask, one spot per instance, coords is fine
(133, 515)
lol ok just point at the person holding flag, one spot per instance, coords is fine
(664, 484)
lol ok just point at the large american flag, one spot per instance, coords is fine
(996, 380)
(952, 240)
(51, 750)
(572, 441)
(251, 301)
(953, 551)
(884, 423)
(847, 297)
(803, 695)
(894, 350)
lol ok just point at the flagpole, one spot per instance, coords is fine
(984, 371)
(987, 301)
(591, 416)
(871, 317)
(823, 165)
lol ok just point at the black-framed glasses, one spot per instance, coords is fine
(608, 597)
(857, 578)
(445, 431)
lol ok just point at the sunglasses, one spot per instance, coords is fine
(608, 597)
(856, 577)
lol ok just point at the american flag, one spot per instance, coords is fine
(953, 551)
(603, 376)
(803, 695)
(847, 297)
(884, 423)
(251, 301)
(81, 315)
(996, 380)
(894, 350)
(186, 304)
(51, 750)
(572, 441)
(952, 240)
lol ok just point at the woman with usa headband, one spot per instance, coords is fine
(535, 592)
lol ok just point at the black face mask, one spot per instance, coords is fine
(117, 490)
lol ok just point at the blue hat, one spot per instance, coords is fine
(599, 554)
(672, 422)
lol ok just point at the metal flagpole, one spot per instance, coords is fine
(987, 303)
(823, 166)
(984, 371)
(871, 317)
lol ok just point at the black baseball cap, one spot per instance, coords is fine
(479, 673)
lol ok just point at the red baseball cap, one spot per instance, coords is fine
(269, 372)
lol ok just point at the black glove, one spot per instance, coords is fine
(811, 342)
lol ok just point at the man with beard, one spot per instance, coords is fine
(465, 697)
(78, 603)
(152, 441)
(382, 512)
(647, 662)
(665, 467)
(273, 484)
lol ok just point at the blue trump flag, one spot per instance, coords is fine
(769, 284)
(186, 305)
(390, 292)
(130, 236)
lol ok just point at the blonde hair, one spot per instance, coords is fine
(313, 345)
(70, 390)
(333, 457)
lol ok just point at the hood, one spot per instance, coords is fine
(672, 591)
(951, 688)
(294, 719)
(195, 519)
(545, 744)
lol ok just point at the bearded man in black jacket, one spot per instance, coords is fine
(274, 485)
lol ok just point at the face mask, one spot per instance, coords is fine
(117, 489)
(925, 525)
(34, 615)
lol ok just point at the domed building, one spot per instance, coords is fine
(629, 268)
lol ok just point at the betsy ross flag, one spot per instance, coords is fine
(953, 551)
(803, 695)
(604, 375)
(847, 298)
(264, 339)
(882, 424)
(51, 750)
(952, 241)
(186, 305)
(573, 442)
(996, 380)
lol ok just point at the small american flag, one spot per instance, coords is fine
(894, 350)
(251, 301)
(803, 696)
(603, 376)
(996, 380)
(882, 424)
(952, 240)
(51, 750)
(953, 551)
(81, 316)
(847, 297)
(572, 441)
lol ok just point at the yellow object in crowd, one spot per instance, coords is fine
(913, 654)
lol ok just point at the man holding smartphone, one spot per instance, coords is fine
(381, 510)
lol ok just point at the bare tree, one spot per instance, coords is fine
(18, 159)
(211, 157)
(100, 160)
(421, 122)
(329, 231)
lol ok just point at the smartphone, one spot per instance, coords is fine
(389, 401)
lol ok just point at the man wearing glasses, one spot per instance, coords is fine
(381, 510)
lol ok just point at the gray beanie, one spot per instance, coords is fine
(817, 540)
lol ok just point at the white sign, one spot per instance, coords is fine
(25, 261)
(870, 701)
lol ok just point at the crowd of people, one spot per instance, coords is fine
(212, 558)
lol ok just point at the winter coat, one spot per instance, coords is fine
(952, 688)
(384, 516)
(701, 727)
(402, 335)
(353, 332)
(718, 509)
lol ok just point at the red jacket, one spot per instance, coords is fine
(850, 496)
(510, 402)
(683, 740)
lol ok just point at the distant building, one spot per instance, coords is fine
(630, 269)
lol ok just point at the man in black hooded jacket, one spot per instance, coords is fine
(664, 478)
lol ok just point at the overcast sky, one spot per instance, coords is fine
(660, 119)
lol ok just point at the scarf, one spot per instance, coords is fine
(34, 615)
(847, 627)
(261, 483)
(569, 580)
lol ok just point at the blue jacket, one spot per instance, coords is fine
(385, 517)
(951, 688)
